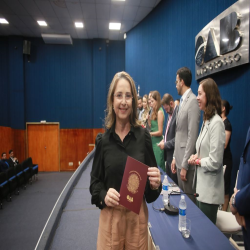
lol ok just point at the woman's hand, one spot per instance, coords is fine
(154, 177)
(112, 198)
(192, 159)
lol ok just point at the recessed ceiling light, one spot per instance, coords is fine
(118, 0)
(3, 20)
(78, 25)
(42, 23)
(114, 26)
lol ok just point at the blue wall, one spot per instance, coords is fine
(61, 83)
(4, 87)
(165, 41)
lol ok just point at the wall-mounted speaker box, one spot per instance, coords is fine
(26, 47)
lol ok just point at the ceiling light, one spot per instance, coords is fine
(114, 26)
(118, 0)
(42, 23)
(3, 20)
(125, 36)
(78, 25)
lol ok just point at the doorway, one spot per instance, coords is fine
(43, 145)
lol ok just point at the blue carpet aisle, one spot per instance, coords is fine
(22, 220)
(78, 225)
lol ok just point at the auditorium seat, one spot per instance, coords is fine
(33, 168)
(12, 180)
(4, 188)
(20, 175)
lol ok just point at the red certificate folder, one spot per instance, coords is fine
(133, 184)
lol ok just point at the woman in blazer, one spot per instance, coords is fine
(210, 149)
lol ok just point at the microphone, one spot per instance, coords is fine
(172, 210)
(175, 192)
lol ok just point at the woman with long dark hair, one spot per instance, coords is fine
(210, 148)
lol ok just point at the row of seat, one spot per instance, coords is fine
(16, 177)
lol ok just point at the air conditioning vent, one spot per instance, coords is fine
(57, 39)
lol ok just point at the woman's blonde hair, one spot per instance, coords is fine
(157, 97)
(110, 114)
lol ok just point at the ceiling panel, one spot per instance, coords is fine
(157, 1)
(5, 9)
(90, 24)
(16, 7)
(133, 2)
(81, 34)
(113, 35)
(102, 11)
(130, 13)
(126, 26)
(29, 21)
(142, 12)
(87, 1)
(60, 16)
(88, 10)
(71, 32)
(103, 33)
(92, 34)
(31, 7)
(103, 1)
(66, 23)
(116, 12)
(15, 20)
(75, 11)
(46, 8)
(60, 9)
(148, 3)
(103, 24)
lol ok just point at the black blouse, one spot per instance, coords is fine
(110, 160)
(227, 151)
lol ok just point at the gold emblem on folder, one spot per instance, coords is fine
(130, 199)
(133, 182)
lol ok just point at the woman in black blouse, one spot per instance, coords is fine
(120, 228)
(227, 159)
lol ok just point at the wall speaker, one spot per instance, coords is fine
(26, 47)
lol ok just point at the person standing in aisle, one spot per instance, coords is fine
(208, 159)
(187, 128)
(227, 158)
(240, 200)
(157, 121)
(168, 143)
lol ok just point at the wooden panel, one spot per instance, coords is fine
(35, 141)
(74, 146)
(19, 144)
(13, 139)
(6, 140)
(43, 145)
(51, 139)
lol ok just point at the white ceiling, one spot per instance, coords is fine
(61, 15)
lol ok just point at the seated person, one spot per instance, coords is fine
(12, 158)
(3, 163)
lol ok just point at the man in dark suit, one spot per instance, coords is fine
(3, 163)
(169, 136)
(13, 160)
(240, 200)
